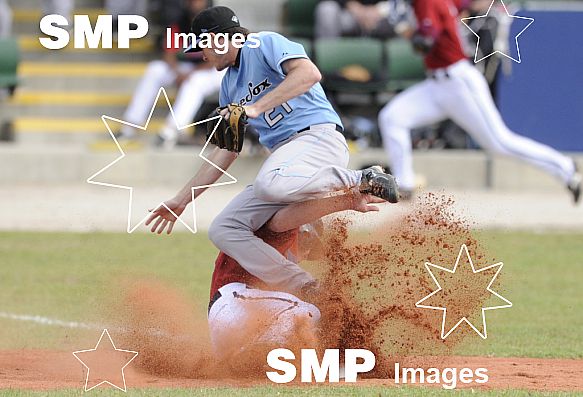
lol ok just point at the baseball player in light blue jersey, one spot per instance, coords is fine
(258, 71)
(278, 85)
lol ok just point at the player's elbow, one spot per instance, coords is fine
(315, 74)
(312, 75)
(305, 73)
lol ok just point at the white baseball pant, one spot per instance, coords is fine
(190, 97)
(332, 20)
(126, 7)
(461, 94)
(61, 7)
(242, 318)
(5, 19)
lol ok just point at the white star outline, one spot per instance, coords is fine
(463, 249)
(476, 60)
(92, 179)
(105, 331)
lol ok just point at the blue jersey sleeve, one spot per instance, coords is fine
(277, 49)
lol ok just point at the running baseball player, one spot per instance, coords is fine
(271, 84)
(455, 89)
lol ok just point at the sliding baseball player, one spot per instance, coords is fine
(247, 317)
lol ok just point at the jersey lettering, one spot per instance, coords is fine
(255, 91)
(272, 119)
(260, 70)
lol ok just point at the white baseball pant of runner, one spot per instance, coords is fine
(5, 19)
(243, 318)
(61, 7)
(309, 165)
(126, 7)
(460, 93)
(190, 97)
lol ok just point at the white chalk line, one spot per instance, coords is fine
(53, 322)
(48, 321)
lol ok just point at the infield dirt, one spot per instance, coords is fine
(50, 370)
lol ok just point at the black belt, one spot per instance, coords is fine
(338, 128)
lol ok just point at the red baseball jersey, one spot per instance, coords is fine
(227, 270)
(439, 19)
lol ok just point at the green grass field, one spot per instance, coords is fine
(68, 277)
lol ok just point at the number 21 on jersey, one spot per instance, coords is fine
(272, 116)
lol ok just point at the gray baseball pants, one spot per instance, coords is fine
(309, 165)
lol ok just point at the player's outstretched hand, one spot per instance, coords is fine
(165, 216)
(365, 202)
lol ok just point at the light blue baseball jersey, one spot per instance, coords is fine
(260, 71)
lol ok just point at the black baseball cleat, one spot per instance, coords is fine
(379, 184)
(575, 183)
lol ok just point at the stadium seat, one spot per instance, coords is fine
(9, 64)
(335, 55)
(405, 66)
(298, 17)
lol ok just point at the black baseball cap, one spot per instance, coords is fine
(212, 20)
